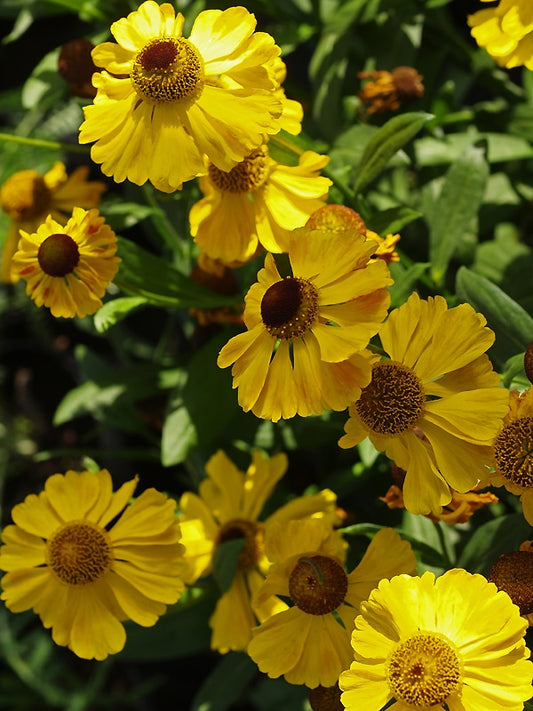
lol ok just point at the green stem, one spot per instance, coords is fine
(44, 143)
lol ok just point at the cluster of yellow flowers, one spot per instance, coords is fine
(170, 109)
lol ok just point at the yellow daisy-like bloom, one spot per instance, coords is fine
(85, 561)
(307, 643)
(436, 405)
(164, 101)
(28, 198)
(513, 451)
(227, 508)
(304, 350)
(68, 268)
(258, 202)
(506, 32)
(426, 643)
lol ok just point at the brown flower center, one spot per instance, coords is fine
(289, 307)
(326, 698)
(317, 585)
(245, 177)
(513, 452)
(79, 553)
(58, 255)
(424, 670)
(253, 535)
(167, 70)
(25, 196)
(393, 401)
(513, 573)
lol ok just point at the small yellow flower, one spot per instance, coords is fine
(306, 643)
(304, 350)
(513, 451)
(28, 198)
(435, 405)
(427, 643)
(257, 203)
(506, 32)
(85, 561)
(164, 101)
(68, 268)
(228, 507)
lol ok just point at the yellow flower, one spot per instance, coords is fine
(304, 350)
(164, 101)
(506, 32)
(228, 507)
(28, 198)
(307, 643)
(85, 561)
(68, 268)
(513, 451)
(436, 405)
(425, 642)
(258, 202)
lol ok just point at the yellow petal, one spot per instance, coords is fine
(233, 619)
(22, 587)
(143, 610)
(21, 549)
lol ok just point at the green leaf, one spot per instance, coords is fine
(513, 373)
(225, 562)
(327, 70)
(115, 310)
(45, 86)
(146, 275)
(492, 539)
(512, 325)
(225, 684)
(392, 220)
(200, 407)
(395, 134)
(183, 631)
(404, 281)
(501, 147)
(455, 208)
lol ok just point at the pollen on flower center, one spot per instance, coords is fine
(166, 70)
(79, 553)
(513, 573)
(245, 177)
(58, 255)
(423, 670)
(25, 195)
(513, 452)
(289, 307)
(253, 535)
(394, 399)
(318, 584)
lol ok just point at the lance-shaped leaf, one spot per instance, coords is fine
(395, 134)
(144, 274)
(455, 208)
(512, 325)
